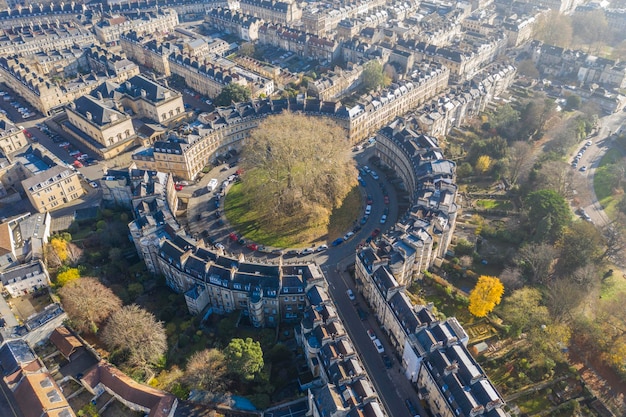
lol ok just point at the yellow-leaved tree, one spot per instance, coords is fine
(483, 164)
(485, 296)
(67, 276)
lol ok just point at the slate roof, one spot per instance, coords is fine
(135, 85)
(102, 113)
(15, 354)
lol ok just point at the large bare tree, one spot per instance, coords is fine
(206, 370)
(297, 167)
(88, 303)
(136, 332)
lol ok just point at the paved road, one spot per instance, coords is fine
(591, 159)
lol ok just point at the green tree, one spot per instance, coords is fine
(232, 93)
(485, 296)
(244, 358)
(573, 102)
(548, 214)
(522, 310)
(580, 244)
(372, 76)
(506, 121)
(67, 276)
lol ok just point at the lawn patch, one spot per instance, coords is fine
(603, 184)
(490, 204)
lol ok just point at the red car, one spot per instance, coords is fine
(386, 199)
(178, 187)
(77, 164)
(376, 232)
(252, 246)
(233, 237)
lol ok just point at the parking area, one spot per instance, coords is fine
(16, 108)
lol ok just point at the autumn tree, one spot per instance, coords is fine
(483, 164)
(536, 260)
(591, 27)
(206, 370)
(615, 240)
(528, 69)
(135, 333)
(88, 303)
(244, 358)
(67, 276)
(232, 93)
(520, 159)
(554, 29)
(485, 296)
(296, 170)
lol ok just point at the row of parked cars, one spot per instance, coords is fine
(576, 159)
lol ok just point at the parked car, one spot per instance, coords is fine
(307, 251)
(387, 361)
(350, 295)
(376, 232)
(371, 334)
(93, 184)
(337, 242)
(374, 175)
(252, 246)
(321, 248)
(383, 219)
(379, 346)
(348, 235)
(411, 408)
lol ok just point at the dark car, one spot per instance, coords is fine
(218, 214)
(241, 241)
(387, 361)
(363, 220)
(376, 232)
(370, 200)
(411, 407)
(362, 313)
(252, 246)
(337, 241)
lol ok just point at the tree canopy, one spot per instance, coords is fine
(67, 276)
(206, 370)
(244, 358)
(548, 214)
(296, 170)
(485, 296)
(372, 76)
(232, 93)
(88, 303)
(135, 332)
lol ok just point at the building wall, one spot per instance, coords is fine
(54, 192)
(107, 135)
(12, 141)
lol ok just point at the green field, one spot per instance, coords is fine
(242, 216)
(494, 204)
(602, 183)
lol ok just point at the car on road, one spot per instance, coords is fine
(374, 175)
(387, 361)
(362, 313)
(379, 346)
(64, 144)
(366, 168)
(370, 200)
(386, 199)
(411, 408)
(233, 237)
(307, 251)
(371, 334)
(178, 187)
(376, 232)
(583, 168)
(362, 182)
(77, 164)
(220, 246)
(321, 248)
(363, 220)
(383, 219)
(252, 246)
(589, 143)
(93, 184)
(348, 235)
(74, 152)
(337, 241)
(368, 210)
(350, 295)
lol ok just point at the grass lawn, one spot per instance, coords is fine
(489, 204)
(613, 285)
(602, 182)
(533, 403)
(242, 216)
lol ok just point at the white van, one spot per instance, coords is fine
(212, 184)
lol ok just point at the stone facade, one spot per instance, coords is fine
(52, 188)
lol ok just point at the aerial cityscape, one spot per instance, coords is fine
(368, 208)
